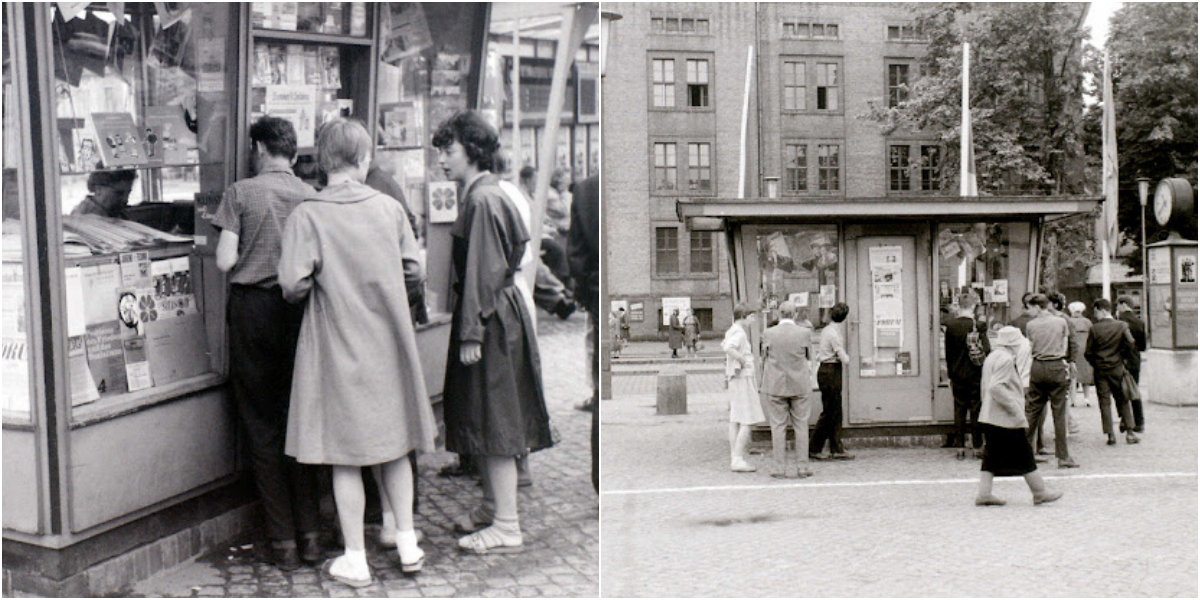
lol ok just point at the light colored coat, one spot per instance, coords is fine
(358, 394)
(1003, 395)
(739, 356)
(785, 366)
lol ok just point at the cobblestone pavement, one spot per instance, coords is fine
(893, 522)
(559, 517)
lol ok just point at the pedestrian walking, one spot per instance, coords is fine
(831, 354)
(1052, 348)
(1109, 345)
(263, 330)
(787, 382)
(1082, 380)
(966, 348)
(1058, 304)
(1127, 311)
(675, 333)
(495, 408)
(1002, 415)
(358, 394)
(744, 406)
(691, 332)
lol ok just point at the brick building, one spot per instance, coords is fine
(674, 102)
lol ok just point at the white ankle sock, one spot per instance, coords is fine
(352, 564)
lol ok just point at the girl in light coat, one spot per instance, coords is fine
(744, 407)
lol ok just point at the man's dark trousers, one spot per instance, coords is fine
(1108, 384)
(1134, 366)
(967, 401)
(829, 424)
(1048, 383)
(263, 330)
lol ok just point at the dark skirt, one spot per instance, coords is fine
(1006, 452)
(497, 407)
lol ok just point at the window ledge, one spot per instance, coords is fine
(125, 404)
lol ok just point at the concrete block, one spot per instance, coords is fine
(672, 391)
(1169, 377)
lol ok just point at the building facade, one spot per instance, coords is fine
(675, 96)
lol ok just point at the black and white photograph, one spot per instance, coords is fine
(379, 379)
(913, 239)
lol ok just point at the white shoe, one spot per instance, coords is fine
(741, 466)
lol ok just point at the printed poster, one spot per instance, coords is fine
(828, 295)
(296, 103)
(671, 304)
(120, 142)
(443, 201)
(1160, 265)
(1186, 269)
(210, 57)
(800, 299)
(1000, 291)
(83, 386)
(169, 140)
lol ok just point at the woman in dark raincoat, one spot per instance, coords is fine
(494, 404)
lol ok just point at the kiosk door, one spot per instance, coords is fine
(890, 374)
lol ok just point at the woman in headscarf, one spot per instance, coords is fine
(358, 395)
(494, 404)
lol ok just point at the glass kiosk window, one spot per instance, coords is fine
(797, 263)
(17, 391)
(143, 102)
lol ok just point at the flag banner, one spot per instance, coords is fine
(1107, 230)
(968, 184)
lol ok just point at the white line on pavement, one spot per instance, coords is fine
(833, 484)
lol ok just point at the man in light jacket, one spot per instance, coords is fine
(787, 383)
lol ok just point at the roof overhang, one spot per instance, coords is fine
(940, 207)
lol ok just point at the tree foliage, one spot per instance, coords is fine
(1025, 92)
(1152, 50)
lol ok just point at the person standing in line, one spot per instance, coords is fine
(358, 395)
(744, 406)
(1052, 348)
(1058, 304)
(1002, 418)
(965, 372)
(1080, 327)
(787, 382)
(495, 406)
(831, 354)
(1109, 346)
(691, 332)
(263, 331)
(583, 254)
(1127, 311)
(1028, 313)
(675, 333)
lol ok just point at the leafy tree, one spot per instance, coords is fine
(1026, 92)
(1152, 51)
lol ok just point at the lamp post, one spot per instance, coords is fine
(1143, 194)
(607, 18)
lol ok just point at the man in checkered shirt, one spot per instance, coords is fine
(263, 330)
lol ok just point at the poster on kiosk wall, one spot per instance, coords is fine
(671, 304)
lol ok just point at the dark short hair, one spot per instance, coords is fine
(560, 175)
(1039, 300)
(528, 172)
(1058, 300)
(839, 312)
(276, 135)
(478, 138)
(741, 310)
(1102, 304)
(102, 179)
(1025, 299)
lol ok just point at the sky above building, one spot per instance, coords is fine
(1097, 20)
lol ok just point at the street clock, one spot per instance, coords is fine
(1174, 202)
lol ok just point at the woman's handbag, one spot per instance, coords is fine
(1130, 388)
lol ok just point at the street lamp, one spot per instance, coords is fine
(607, 18)
(1143, 194)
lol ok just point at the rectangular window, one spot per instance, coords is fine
(664, 166)
(827, 86)
(701, 252)
(828, 167)
(831, 32)
(688, 26)
(702, 26)
(795, 90)
(796, 167)
(666, 251)
(931, 168)
(897, 84)
(697, 82)
(893, 33)
(656, 25)
(699, 167)
(898, 164)
(663, 77)
(672, 25)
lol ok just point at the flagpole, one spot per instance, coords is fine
(967, 184)
(1109, 236)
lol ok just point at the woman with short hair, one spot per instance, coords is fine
(495, 408)
(358, 394)
(744, 406)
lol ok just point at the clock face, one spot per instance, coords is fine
(1163, 200)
